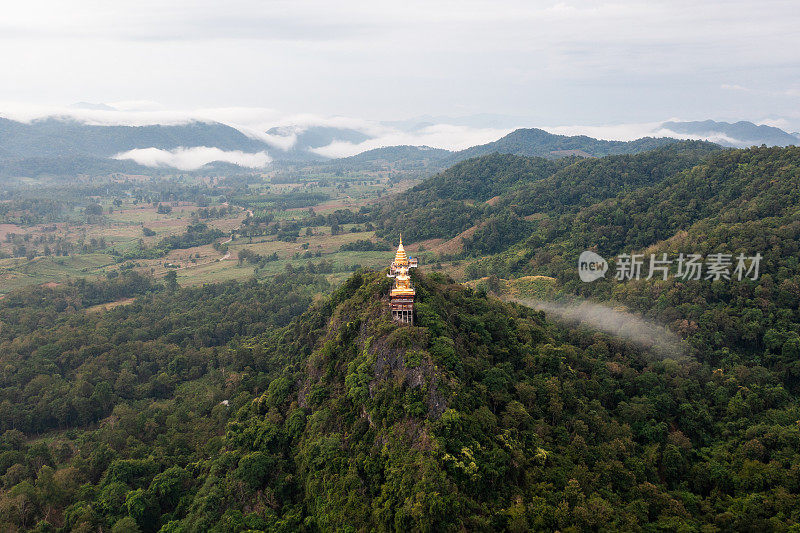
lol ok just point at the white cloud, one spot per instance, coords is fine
(613, 132)
(714, 137)
(445, 136)
(615, 322)
(781, 123)
(193, 158)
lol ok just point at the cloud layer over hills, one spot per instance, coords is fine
(194, 158)
(253, 137)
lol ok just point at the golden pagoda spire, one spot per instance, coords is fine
(401, 258)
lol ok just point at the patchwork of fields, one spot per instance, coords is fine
(80, 245)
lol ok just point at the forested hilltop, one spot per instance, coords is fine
(483, 416)
(498, 187)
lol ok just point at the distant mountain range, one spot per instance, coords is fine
(538, 142)
(524, 141)
(64, 138)
(64, 146)
(738, 135)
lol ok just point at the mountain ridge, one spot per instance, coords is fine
(24, 144)
(538, 142)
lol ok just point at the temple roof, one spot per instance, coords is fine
(401, 258)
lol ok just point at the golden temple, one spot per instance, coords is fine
(402, 294)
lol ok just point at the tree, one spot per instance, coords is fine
(246, 254)
(126, 525)
(171, 279)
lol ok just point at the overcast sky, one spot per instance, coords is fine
(556, 64)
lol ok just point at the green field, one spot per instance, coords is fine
(95, 244)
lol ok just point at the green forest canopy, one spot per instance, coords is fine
(262, 406)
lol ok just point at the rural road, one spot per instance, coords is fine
(227, 253)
